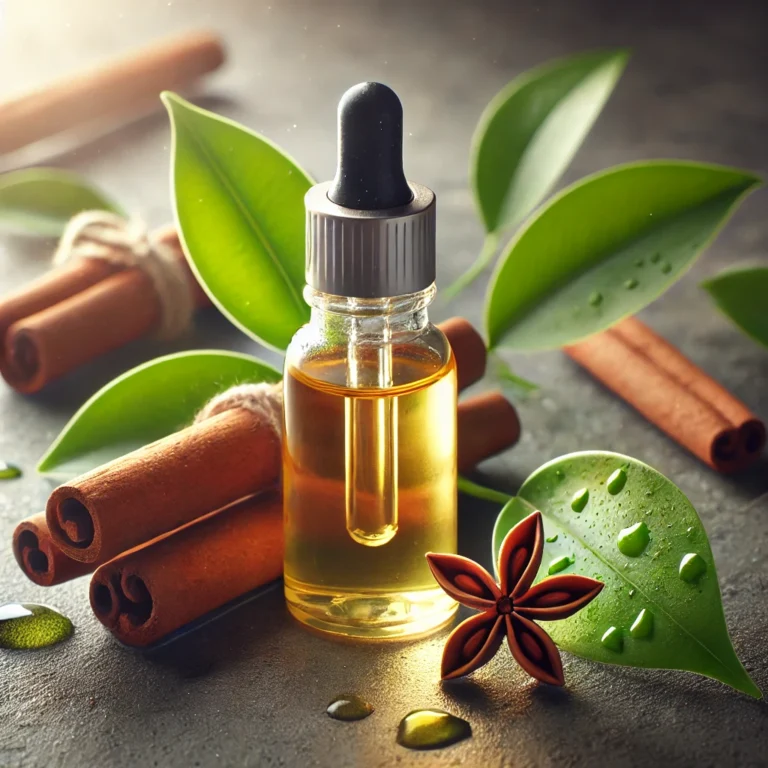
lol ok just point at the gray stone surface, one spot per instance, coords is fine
(250, 689)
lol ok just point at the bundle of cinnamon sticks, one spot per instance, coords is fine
(192, 521)
(90, 306)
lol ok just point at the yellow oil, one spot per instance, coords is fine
(401, 465)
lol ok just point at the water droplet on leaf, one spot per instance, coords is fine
(666, 267)
(656, 258)
(579, 500)
(616, 481)
(632, 541)
(613, 640)
(560, 564)
(595, 298)
(692, 567)
(630, 284)
(642, 626)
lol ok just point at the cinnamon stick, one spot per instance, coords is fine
(207, 465)
(77, 312)
(146, 593)
(674, 394)
(40, 559)
(487, 424)
(124, 87)
(488, 415)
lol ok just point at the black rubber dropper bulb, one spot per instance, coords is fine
(370, 174)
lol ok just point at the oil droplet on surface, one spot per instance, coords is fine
(9, 471)
(666, 267)
(656, 258)
(579, 500)
(642, 626)
(692, 567)
(613, 640)
(431, 729)
(560, 564)
(349, 708)
(26, 626)
(630, 284)
(552, 539)
(616, 481)
(595, 298)
(632, 541)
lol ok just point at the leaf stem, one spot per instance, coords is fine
(483, 261)
(481, 492)
(504, 372)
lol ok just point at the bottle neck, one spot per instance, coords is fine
(372, 320)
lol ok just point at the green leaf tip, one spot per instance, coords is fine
(144, 404)
(740, 294)
(689, 630)
(527, 136)
(567, 273)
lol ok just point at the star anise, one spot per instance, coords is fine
(508, 609)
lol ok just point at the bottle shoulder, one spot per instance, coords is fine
(411, 355)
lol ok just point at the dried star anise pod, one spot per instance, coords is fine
(508, 609)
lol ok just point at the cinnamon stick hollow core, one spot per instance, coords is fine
(40, 559)
(152, 590)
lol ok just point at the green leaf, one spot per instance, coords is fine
(531, 130)
(742, 295)
(689, 631)
(605, 248)
(145, 404)
(239, 203)
(41, 201)
(527, 137)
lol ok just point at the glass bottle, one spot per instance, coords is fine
(369, 449)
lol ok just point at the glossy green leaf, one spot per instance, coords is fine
(689, 631)
(605, 248)
(527, 137)
(41, 201)
(531, 130)
(239, 204)
(742, 295)
(145, 404)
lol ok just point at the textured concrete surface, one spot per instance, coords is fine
(250, 689)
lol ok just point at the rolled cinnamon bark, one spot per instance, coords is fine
(152, 590)
(207, 465)
(487, 425)
(77, 312)
(40, 559)
(670, 391)
(164, 485)
(122, 88)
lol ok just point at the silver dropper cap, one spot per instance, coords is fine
(370, 233)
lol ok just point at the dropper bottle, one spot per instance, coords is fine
(370, 395)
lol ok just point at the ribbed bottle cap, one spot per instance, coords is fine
(370, 254)
(370, 233)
